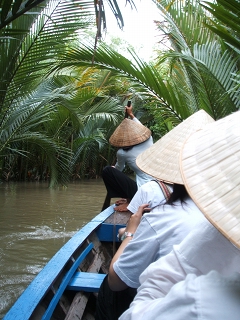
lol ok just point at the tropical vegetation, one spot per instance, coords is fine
(62, 91)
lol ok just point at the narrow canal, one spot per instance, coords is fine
(35, 222)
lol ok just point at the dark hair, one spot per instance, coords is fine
(127, 148)
(179, 193)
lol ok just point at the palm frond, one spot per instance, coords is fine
(183, 24)
(228, 13)
(144, 75)
(25, 125)
(38, 47)
(13, 9)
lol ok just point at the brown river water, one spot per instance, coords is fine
(35, 222)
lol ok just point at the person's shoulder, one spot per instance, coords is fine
(154, 184)
(120, 152)
(136, 120)
(191, 205)
(149, 184)
(149, 141)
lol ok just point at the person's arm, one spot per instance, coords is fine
(160, 276)
(114, 280)
(129, 111)
(198, 254)
(138, 199)
(120, 164)
(182, 296)
(156, 281)
(131, 115)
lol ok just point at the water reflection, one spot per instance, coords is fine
(34, 223)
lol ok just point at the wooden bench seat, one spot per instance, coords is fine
(86, 281)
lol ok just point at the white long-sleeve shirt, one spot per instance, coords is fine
(155, 236)
(203, 250)
(129, 157)
(207, 297)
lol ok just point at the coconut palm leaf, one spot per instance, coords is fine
(145, 77)
(85, 107)
(31, 50)
(200, 62)
(197, 80)
(183, 23)
(90, 142)
(212, 79)
(46, 128)
(24, 125)
(228, 13)
(13, 9)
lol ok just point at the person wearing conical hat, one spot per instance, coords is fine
(151, 236)
(210, 170)
(131, 138)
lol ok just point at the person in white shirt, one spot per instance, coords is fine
(206, 297)
(151, 236)
(210, 168)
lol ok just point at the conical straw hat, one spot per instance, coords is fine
(129, 133)
(210, 166)
(161, 160)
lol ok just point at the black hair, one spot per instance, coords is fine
(130, 147)
(127, 148)
(179, 193)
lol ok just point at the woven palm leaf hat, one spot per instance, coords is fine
(161, 160)
(210, 167)
(129, 133)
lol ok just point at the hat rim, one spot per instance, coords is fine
(206, 163)
(129, 133)
(161, 160)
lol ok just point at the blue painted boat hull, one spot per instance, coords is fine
(66, 287)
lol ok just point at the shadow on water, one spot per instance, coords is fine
(35, 222)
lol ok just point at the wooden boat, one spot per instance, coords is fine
(66, 288)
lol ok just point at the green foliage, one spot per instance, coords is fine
(28, 100)
(202, 69)
(62, 97)
(227, 12)
(12, 9)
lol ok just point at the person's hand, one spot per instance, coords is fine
(129, 111)
(121, 232)
(135, 219)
